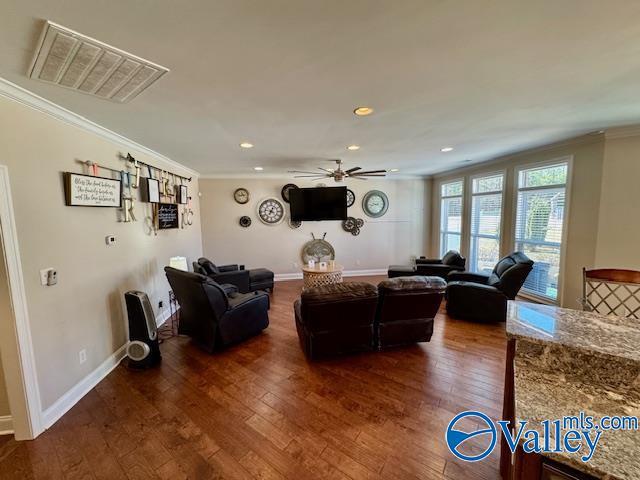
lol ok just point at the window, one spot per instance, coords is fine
(486, 220)
(539, 225)
(450, 216)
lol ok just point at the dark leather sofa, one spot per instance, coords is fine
(452, 261)
(245, 280)
(336, 319)
(473, 296)
(211, 317)
(356, 316)
(406, 309)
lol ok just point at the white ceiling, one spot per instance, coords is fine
(487, 77)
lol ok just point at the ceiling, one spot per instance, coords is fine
(486, 77)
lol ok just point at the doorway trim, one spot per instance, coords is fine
(31, 426)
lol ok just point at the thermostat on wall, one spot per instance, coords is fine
(111, 239)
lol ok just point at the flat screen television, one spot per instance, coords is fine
(319, 203)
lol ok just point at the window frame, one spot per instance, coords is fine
(492, 173)
(463, 207)
(568, 159)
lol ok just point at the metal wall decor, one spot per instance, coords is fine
(318, 250)
(351, 198)
(245, 221)
(353, 225)
(294, 223)
(285, 191)
(271, 211)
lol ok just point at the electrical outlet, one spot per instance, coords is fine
(82, 356)
(44, 276)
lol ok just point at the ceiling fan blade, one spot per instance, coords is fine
(330, 172)
(316, 176)
(358, 178)
(352, 170)
(370, 171)
(302, 171)
(369, 175)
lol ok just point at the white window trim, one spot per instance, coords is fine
(462, 215)
(568, 159)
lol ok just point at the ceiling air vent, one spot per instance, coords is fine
(81, 63)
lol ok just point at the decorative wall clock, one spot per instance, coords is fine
(245, 221)
(352, 225)
(271, 211)
(241, 195)
(285, 191)
(294, 223)
(375, 203)
(351, 197)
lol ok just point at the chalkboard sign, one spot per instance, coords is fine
(87, 191)
(168, 216)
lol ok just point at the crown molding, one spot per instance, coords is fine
(623, 131)
(27, 98)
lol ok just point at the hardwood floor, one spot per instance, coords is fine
(261, 411)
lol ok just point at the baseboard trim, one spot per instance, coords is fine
(52, 414)
(164, 316)
(6, 425)
(283, 277)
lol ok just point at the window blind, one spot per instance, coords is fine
(486, 222)
(451, 216)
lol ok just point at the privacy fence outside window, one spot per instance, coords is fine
(486, 222)
(451, 216)
(539, 226)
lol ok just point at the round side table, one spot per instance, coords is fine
(315, 277)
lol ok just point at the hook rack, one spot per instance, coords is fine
(129, 158)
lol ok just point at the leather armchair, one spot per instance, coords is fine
(212, 318)
(474, 296)
(245, 280)
(406, 309)
(336, 319)
(452, 261)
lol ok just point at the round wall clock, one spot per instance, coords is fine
(271, 211)
(241, 195)
(351, 197)
(245, 221)
(285, 191)
(375, 203)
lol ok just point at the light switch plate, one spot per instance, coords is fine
(44, 274)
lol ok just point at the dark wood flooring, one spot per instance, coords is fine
(261, 411)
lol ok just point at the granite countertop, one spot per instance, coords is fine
(567, 362)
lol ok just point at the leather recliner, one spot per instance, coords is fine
(212, 318)
(473, 296)
(336, 319)
(406, 309)
(452, 261)
(245, 280)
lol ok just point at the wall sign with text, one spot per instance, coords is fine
(88, 191)
(168, 216)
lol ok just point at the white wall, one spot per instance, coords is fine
(619, 228)
(391, 239)
(86, 309)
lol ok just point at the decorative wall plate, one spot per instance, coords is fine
(245, 221)
(318, 249)
(352, 225)
(241, 195)
(285, 191)
(351, 198)
(375, 203)
(271, 211)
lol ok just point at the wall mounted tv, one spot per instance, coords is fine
(319, 203)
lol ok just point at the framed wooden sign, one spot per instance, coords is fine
(88, 191)
(151, 190)
(183, 194)
(168, 216)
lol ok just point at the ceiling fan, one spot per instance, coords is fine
(338, 174)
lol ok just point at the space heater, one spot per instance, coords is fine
(143, 348)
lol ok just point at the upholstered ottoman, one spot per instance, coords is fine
(336, 319)
(260, 279)
(401, 271)
(407, 307)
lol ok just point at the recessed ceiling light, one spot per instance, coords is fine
(353, 147)
(363, 111)
(394, 170)
(258, 169)
(446, 149)
(246, 145)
